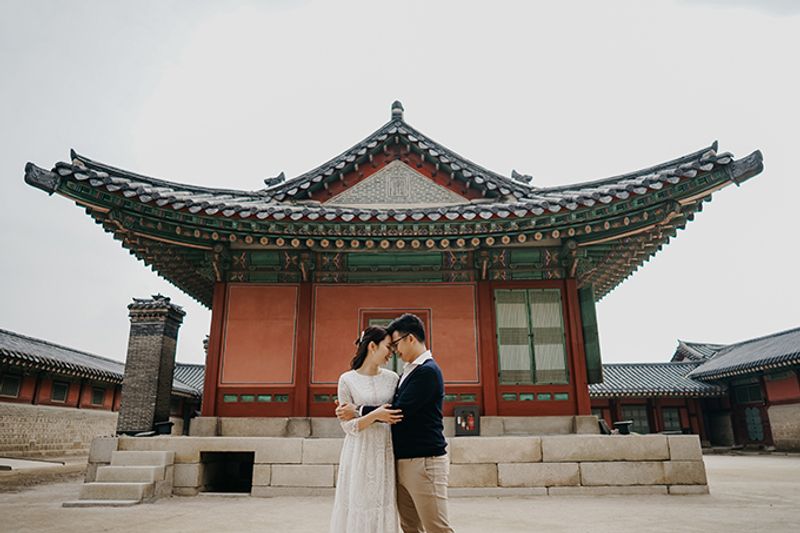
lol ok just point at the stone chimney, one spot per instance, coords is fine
(147, 385)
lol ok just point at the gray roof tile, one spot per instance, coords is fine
(771, 351)
(18, 349)
(516, 196)
(651, 379)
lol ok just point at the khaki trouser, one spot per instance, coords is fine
(422, 494)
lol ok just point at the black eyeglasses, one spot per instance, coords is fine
(393, 344)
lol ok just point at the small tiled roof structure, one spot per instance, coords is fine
(191, 375)
(695, 351)
(598, 232)
(772, 351)
(652, 380)
(25, 352)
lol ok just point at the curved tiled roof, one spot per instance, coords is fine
(776, 350)
(503, 196)
(651, 379)
(18, 350)
(695, 351)
(277, 204)
(192, 375)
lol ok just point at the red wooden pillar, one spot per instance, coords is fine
(218, 304)
(657, 420)
(693, 416)
(616, 410)
(79, 404)
(575, 330)
(303, 350)
(114, 396)
(488, 347)
(37, 389)
(701, 426)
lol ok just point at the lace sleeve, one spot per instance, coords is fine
(350, 426)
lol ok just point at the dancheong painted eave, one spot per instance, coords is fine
(600, 231)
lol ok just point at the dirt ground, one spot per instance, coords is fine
(747, 493)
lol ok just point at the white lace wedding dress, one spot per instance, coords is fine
(365, 488)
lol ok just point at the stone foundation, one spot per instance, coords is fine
(480, 466)
(328, 427)
(46, 431)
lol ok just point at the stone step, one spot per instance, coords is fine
(101, 503)
(143, 474)
(116, 491)
(142, 458)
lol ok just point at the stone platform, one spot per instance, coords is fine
(328, 427)
(480, 466)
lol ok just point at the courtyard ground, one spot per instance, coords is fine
(747, 493)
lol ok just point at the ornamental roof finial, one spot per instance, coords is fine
(397, 110)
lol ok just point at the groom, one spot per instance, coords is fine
(418, 440)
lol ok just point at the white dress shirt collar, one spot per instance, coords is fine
(424, 356)
(409, 367)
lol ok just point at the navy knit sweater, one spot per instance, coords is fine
(420, 397)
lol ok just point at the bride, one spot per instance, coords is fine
(365, 487)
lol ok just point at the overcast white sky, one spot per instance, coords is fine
(228, 93)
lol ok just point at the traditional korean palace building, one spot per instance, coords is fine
(504, 273)
(747, 393)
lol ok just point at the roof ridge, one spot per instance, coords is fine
(395, 123)
(647, 170)
(703, 343)
(49, 343)
(459, 156)
(103, 167)
(665, 363)
(318, 168)
(770, 335)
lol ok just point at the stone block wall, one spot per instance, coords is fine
(46, 431)
(784, 421)
(579, 464)
(480, 466)
(329, 427)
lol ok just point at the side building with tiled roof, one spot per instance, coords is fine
(744, 394)
(54, 399)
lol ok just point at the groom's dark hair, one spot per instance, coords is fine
(407, 323)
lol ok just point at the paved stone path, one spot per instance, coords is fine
(760, 493)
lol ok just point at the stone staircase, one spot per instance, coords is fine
(132, 477)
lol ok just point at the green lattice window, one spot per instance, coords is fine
(59, 391)
(9, 386)
(748, 393)
(98, 395)
(672, 418)
(530, 337)
(637, 413)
